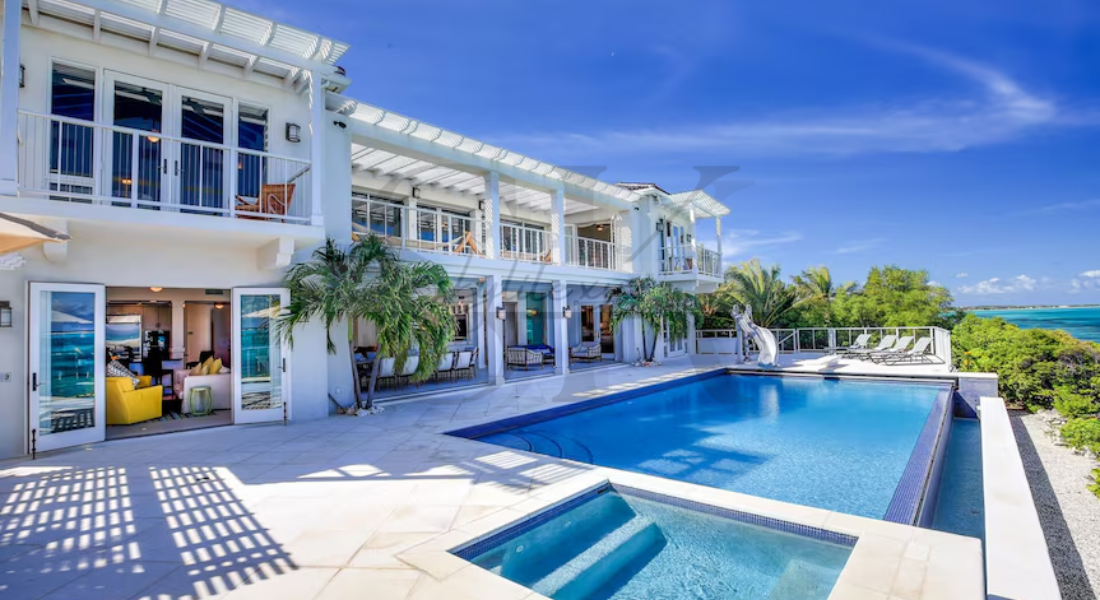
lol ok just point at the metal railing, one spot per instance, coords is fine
(421, 228)
(91, 163)
(824, 340)
(593, 254)
(520, 242)
(690, 258)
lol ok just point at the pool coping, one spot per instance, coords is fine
(887, 559)
(909, 497)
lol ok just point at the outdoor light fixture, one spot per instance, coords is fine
(599, 227)
(293, 133)
(156, 289)
(501, 314)
(481, 205)
(22, 76)
(5, 313)
(219, 306)
(416, 192)
(568, 312)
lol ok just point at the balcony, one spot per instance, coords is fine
(594, 254)
(691, 259)
(88, 163)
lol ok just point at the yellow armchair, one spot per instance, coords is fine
(126, 405)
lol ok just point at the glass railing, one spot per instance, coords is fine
(422, 229)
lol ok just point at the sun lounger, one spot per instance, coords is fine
(859, 344)
(884, 344)
(918, 353)
(900, 347)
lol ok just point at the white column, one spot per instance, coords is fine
(317, 148)
(481, 316)
(597, 335)
(492, 215)
(494, 329)
(691, 344)
(557, 227)
(558, 301)
(718, 236)
(9, 97)
(179, 332)
(412, 224)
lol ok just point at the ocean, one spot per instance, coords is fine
(1081, 323)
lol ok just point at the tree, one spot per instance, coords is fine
(895, 297)
(366, 280)
(763, 288)
(816, 283)
(657, 305)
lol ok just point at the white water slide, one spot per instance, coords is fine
(764, 339)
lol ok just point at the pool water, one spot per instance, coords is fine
(960, 507)
(835, 444)
(622, 547)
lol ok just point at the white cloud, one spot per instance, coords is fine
(1094, 274)
(963, 275)
(933, 282)
(739, 243)
(1002, 111)
(860, 246)
(1086, 281)
(1060, 208)
(996, 285)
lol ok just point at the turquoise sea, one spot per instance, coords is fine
(1081, 323)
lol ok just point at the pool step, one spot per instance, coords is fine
(626, 549)
(802, 580)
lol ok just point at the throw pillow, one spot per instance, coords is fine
(116, 369)
(196, 370)
(215, 367)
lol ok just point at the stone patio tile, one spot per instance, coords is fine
(300, 584)
(113, 582)
(359, 584)
(414, 518)
(325, 548)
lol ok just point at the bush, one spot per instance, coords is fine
(1082, 434)
(1072, 405)
(1095, 487)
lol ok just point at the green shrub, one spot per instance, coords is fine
(1072, 405)
(1082, 433)
(1095, 487)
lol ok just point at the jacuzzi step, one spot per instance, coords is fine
(627, 548)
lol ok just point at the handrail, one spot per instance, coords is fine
(828, 339)
(593, 254)
(520, 242)
(690, 258)
(67, 159)
(419, 228)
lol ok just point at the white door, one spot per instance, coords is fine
(261, 358)
(67, 364)
(139, 158)
(201, 169)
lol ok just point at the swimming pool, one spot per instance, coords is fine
(859, 447)
(618, 543)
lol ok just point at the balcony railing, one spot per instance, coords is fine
(690, 258)
(421, 229)
(593, 254)
(520, 242)
(80, 161)
(822, 339)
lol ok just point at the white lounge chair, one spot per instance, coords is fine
(859, 344)
(464, 364)
(884, 344)
(918, 353)
(900, 347)
(446, 365)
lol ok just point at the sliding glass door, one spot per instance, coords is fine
(261, 358)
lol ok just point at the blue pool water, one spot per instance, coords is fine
(835, 444)
(960, 507)
(620, 547)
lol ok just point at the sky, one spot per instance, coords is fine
(957, 136)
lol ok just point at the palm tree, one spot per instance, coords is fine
(366, 281)
(816, 283)
(750, 284)
(657, 305)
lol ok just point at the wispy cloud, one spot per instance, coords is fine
(1062, 207)
(996, 285)
(1086, 281)
(860, 246)
(1001, 111)
(741, 243)
(962, 275)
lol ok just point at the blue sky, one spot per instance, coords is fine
(958, 136)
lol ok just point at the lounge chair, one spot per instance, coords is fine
(464, 364)
(523, 358)
(586, 351)
(884, 344)
(274, 200)
(918, 353)
(901, 346)
(859, 344)
(446, 366)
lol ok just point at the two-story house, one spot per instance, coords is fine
(162, 162)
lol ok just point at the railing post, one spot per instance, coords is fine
(557, 227)
(9, 98)
(492, 214)
(317, 148)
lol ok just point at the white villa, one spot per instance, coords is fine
(164, 162)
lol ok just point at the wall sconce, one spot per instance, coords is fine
(501, 313)
(219, 306)
(293, 133)
(567, 312)
(156, 289)
(416, 192)
(5, 313)
(22, 76)
(481, 205)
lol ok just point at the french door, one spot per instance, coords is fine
(261, 357)
(168, 146)
(67, 364)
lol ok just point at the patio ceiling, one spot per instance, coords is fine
(423, 173)
(704, 204)
(210, 30)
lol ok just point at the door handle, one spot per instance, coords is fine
(166, 166)
(177, 167)
(34, 382)
(284, 365)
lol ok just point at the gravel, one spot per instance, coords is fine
(1069, 512)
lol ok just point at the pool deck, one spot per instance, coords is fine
(365, 507)
(816, 362)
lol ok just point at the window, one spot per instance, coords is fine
(375, 214)
(72, 95)
(251, 135)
